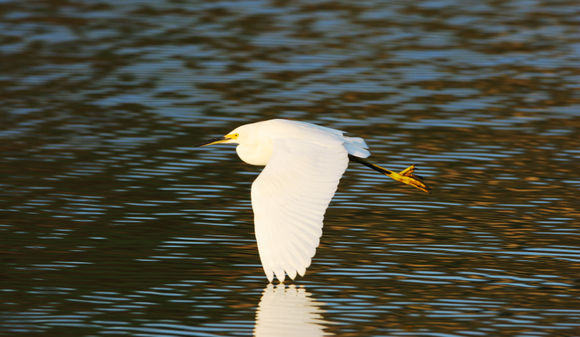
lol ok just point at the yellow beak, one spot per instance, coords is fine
(224, 139)
(215, 141)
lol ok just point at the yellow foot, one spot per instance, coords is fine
(407, 177)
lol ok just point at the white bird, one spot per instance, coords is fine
(304, 163)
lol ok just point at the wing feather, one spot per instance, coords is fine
(289, 199)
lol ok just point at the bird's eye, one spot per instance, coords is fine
(237, 135)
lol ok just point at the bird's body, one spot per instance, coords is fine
(304, 163)
(256, 146)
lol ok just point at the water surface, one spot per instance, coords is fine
(113, 223)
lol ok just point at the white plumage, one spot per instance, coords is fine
(304, 163)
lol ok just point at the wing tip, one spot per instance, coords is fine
(280, 275)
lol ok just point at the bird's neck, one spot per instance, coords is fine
(255, 153)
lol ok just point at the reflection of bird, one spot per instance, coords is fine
(289, 311)
(304, 163)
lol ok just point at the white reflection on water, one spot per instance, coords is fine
(289, 311)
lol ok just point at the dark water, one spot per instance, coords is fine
(112, 223)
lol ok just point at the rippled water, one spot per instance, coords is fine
(113, 223)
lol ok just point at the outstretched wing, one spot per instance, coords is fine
(289, 199)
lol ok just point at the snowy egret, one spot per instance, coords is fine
(304, 163)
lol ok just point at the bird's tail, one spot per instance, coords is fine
(356, 146)
(406, 176)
